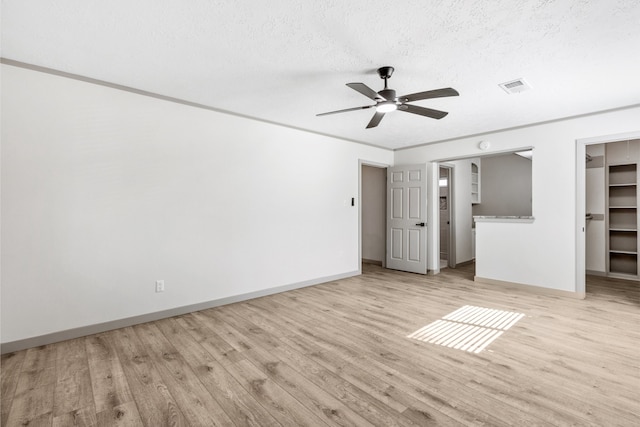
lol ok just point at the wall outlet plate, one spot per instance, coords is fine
(159, 285)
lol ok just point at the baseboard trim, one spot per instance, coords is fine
(10, 347)
(595, 273)
(530, 288)
(465, 263)
(371, 261)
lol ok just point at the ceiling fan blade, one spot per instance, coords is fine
(434, 114)
(345, 110)
(437, 93)
(365, 90)
(375, 120)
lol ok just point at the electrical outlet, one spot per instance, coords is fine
(159, 285)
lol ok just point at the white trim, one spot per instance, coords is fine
(539, 290)
(491, 132)
(82, 331)
(581, 151)
(433, 217)
(54, 72)
(485, 154)
(596, 273)
(361, 163)
(451, 256)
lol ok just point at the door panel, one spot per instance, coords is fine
(406, 218)
(414, 203)
(414, 245)
(396, 243)
(396, 202)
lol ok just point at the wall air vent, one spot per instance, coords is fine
(515, 86)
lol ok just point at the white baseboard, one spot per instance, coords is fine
(10, 347)
(530, 288)
(595, 273)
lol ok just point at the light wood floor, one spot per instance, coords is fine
(337, 354)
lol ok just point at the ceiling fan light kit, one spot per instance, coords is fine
(387, 101)
(385, 107)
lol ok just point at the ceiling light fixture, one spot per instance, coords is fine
(386, 106)
(387, 101)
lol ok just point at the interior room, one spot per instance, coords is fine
(201, 225)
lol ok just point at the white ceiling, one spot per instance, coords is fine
(284, 61)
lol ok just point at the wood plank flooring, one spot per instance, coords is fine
(337, 354)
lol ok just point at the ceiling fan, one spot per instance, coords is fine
(386, 100)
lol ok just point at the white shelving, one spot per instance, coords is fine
(475, 181)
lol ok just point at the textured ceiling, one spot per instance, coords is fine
(285, 60)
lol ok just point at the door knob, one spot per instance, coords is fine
(420, 224)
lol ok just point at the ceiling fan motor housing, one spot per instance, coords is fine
(388, 94)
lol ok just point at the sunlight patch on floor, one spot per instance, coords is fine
(469, 328)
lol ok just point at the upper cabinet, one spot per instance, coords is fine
(475, 181)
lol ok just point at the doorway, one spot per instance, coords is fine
(373, 208)
(586, 221)
(447, 247)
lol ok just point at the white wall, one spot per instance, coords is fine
(542, 253)
(374, 208)
(105, 191)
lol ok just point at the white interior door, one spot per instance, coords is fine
(407, 218)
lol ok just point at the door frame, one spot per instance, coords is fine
(385, 166)
(451, 259)
(581, 199)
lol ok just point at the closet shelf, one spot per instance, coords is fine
(623, 220)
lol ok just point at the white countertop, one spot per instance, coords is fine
(503, 218)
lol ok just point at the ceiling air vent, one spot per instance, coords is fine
(515, 86)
